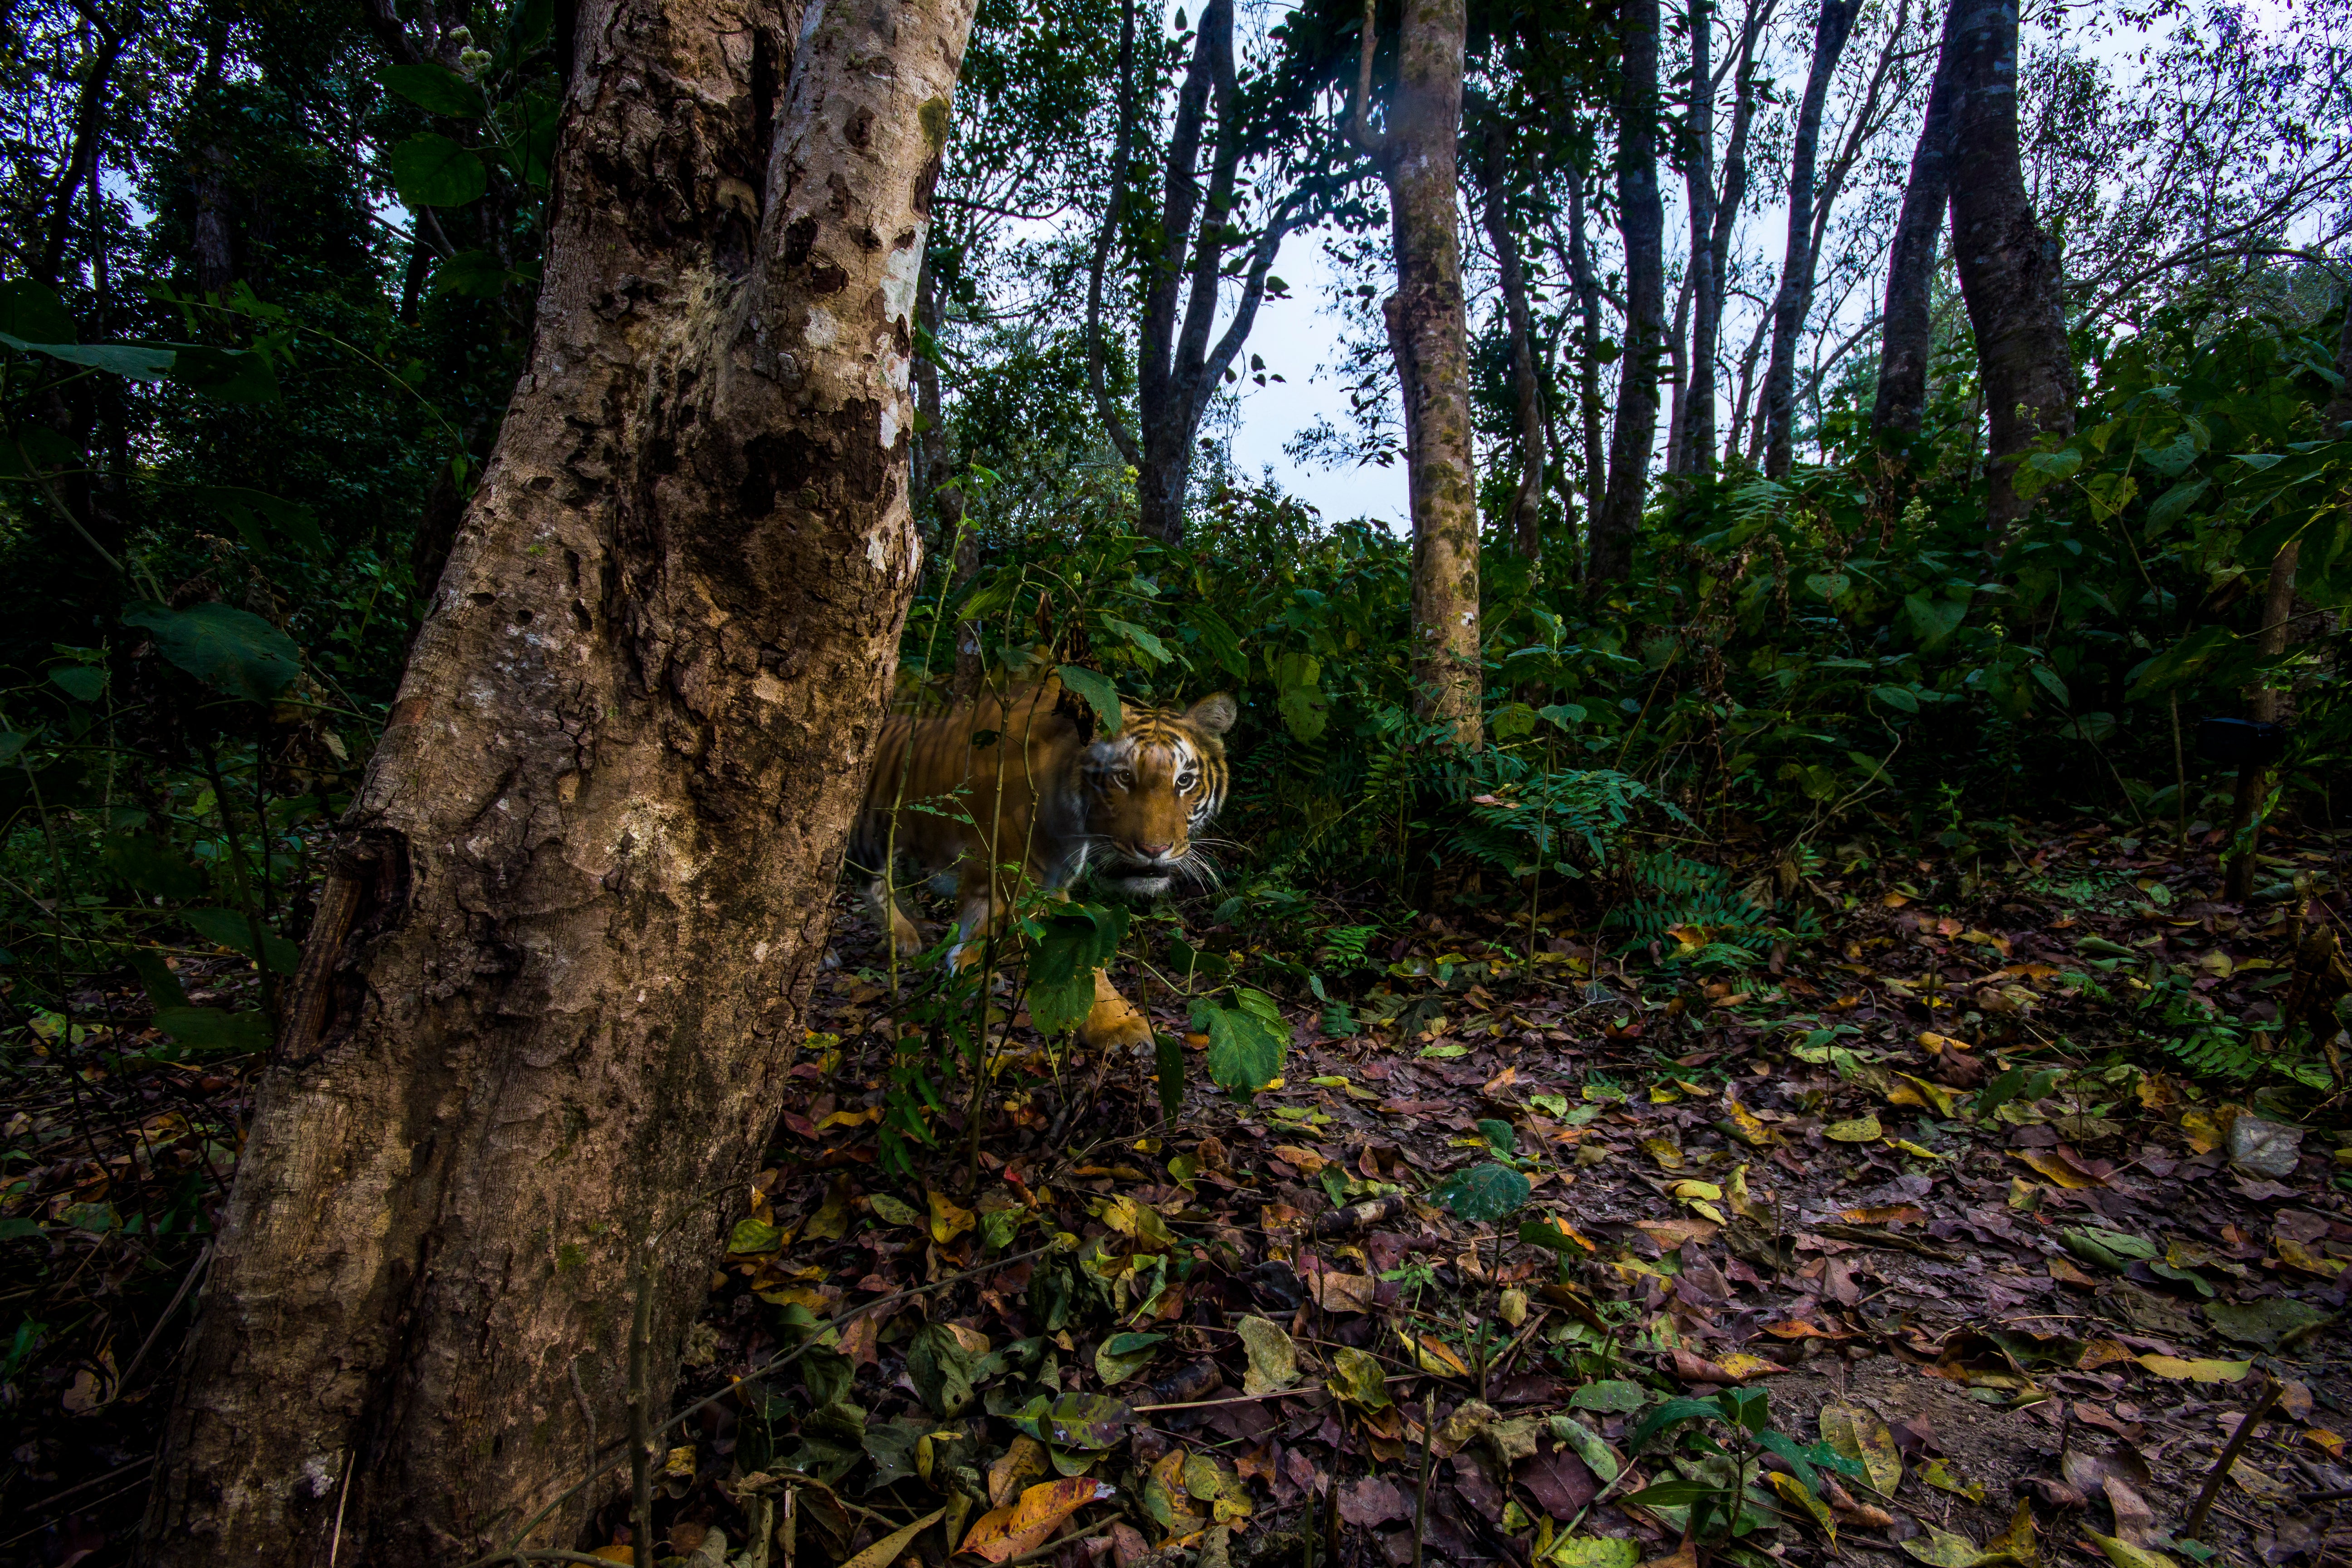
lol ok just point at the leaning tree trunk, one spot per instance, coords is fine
(2009, 267)
(1906, 339)
(562, 963)
(1695, 446)
(1641, 218)
(1794, 301)
(1585, 283)
(1429, 335)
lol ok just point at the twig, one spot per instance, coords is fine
(2195, 1523)
(178, 1296)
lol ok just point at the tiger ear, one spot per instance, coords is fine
(1215, 713)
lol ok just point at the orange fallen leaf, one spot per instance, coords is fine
(1343, 1292)
(1006, 1533)
(1884, 1214)
(1799, 1329)
(1307, 1160)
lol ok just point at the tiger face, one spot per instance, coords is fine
(1150, 790)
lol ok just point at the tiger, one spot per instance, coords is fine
(1028, 770)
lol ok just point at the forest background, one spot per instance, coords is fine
(1756, 584)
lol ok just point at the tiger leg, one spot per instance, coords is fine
(1113, 1023)
(888, 913)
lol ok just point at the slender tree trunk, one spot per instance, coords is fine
(1708, 331)
(1527, 393)
(1429, 335)
(1641, 219)
(82, 151)
(1906, 338)
(562, 961)
(1794, 301)
(2009, 267)
(1677, 371)
(1739, 419)
(1695, 423)
(1586, 281)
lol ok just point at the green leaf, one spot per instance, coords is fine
(1483, 1194)
(1223, 643)
(2052, 683)
(228, 376)
(31, 313)
(475, 274)
(1100, 695)
(231, 651)
(1142, 641)
(1121, 1356)
(432, 171)
(1168, 1053)
(231, 930)
(752, 1236)
(131, 360)
(214, 1029)
(2169, 506)
(246, 509)
(1933, 621)
(435, 89)
(155, 977)
(1668, 1415)
(1245, 1053)
(83, 682)
(1594, 1552)
(1298, 678)
(1500, 1135)
(1512, 720)
(1672, 1493)
(1897, 697)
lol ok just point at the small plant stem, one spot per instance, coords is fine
(2194, 1526)
(641, 1436)
(787, 1532)
(1331, 1523)
(236, 871)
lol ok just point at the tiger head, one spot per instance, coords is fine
(1151, 789)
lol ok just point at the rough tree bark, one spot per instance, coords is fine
(2009, 275)
(1794, 300)
(1527, 392)
(1177, 368)
(1415, 152)
(561, 965)
(1641, 219)
(96, 75)
(1694, 435)
(1908, 336)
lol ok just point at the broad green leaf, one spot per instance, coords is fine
(1671, 1413)
(896, 1210)
(432, 171)
(84, 682)
(1609, 1395)
(215, 1029)
(1168, 1053)
(475, 274)
(1273, 1358)
(131, 360)
(1100, 693)
(752, 1236)
(31, 312)
(435, 89)
(1144, 642)
(1594, 1552)
(231, 651)
(1121, 1356)
(1483, 1194)
(1245, 1052)
(231, 930)
(1933, 621)
(1222, 643)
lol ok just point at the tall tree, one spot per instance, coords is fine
(2009, 267)
(1575, 248)
(1518, 324)
(561, 963)
(1714, 214)
(1907, 334)
(1179, 369)
(1642, 220)
(1414, 151)
(1794, 301)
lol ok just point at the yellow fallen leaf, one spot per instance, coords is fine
(1689, 1188)
(1860, 1130)
(1913, 1149)
(2204, 1133)
(1307, 1160)
(1744, 1366)
(947, 1220)
(1740, 1123)
(1856, 1434)
(1933, 1094)
(1026, 1458)
(1438, 1358)
(1007, 1532)
(1935, 1474)
(2180, 1370)
(1793, 1490)
(2047, 1164)
(1936, 1045)
(1668, 1154)
(2295, 1254)
(2124, 1554)
(1735, 1189)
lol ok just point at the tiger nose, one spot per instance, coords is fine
(1154, 851)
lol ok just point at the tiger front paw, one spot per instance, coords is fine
(1113, 1024)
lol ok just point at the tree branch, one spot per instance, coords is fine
(1113, 214)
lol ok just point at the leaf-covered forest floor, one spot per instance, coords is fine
(1926, 1185)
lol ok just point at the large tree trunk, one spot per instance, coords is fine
(1527, 393)
(2009, 268)
(1641, 219)
(562, 963)
(1794, 301)
(1429, 335)
(1906, 337)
